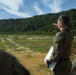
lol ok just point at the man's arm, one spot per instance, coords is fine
(58, 46)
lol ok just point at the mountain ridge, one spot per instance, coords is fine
(38, 24)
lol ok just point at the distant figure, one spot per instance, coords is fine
(62, 47)
(9, 65)
(74, 68)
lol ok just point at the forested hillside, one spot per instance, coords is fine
(41, 24)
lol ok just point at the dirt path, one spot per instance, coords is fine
(34, 62)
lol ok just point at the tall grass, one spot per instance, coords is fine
(37, 43)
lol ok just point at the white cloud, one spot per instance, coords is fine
(54, 5)
(12, 7)
(37, 8)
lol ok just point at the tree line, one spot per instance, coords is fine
(39, 24)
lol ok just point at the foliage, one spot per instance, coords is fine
(41, 24)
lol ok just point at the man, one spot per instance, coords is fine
(9, 65)
(62, 47)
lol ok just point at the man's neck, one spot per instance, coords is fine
(63, 28)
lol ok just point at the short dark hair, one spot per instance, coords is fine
(65, 19)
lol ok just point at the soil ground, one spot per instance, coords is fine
(34, 62)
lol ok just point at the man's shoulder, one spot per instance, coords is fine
(60, 34)
(64, 32)
(58, 37)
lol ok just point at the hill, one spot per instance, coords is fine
(39, 24)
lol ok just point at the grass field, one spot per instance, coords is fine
(30, 50)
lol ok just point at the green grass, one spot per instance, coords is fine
(37, 43)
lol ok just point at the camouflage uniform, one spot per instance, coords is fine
(62, 48)
(9, 65)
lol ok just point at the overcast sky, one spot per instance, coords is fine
(29, 8)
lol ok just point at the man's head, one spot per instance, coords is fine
(63, 21)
